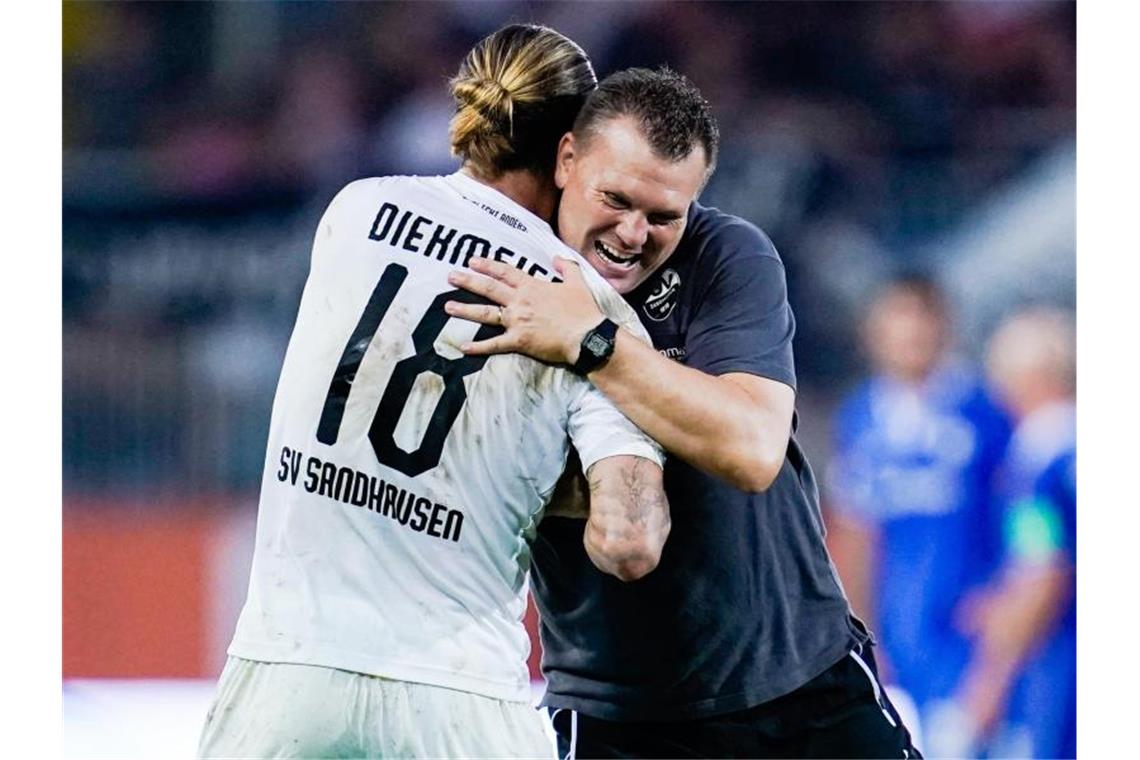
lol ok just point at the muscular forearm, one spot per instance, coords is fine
(628, 519)
(710, 422)
(734, 426)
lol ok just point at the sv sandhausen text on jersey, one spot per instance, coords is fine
(412, 232)
(369, 492)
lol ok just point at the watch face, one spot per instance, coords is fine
(596, 344)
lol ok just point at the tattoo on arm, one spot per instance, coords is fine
(641, 498)
(633, 499)
(629, 516)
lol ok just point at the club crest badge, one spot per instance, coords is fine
(663, 300)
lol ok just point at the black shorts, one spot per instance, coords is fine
(841, 713)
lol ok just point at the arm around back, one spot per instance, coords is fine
(727, 410)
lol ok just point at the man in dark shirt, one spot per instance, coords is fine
(741, 642)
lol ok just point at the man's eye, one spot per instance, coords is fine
(614, 201)
(660, 221)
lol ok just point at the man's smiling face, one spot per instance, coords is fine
(623, 207)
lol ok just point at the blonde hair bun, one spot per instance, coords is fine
(489, 98)
(516, 93)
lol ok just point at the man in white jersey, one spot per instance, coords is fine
(404, 481)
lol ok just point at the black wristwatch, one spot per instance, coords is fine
(597, 348)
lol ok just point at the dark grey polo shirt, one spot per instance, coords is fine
(745, 605)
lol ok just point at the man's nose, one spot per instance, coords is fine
(633, 230)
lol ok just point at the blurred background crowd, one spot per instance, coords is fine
(913, 162)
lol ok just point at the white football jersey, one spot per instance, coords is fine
(403, 480)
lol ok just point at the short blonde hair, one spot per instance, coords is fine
(517, 92)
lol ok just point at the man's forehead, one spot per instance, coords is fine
(625, 132)
(624, 158)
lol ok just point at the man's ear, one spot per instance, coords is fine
(564, 160)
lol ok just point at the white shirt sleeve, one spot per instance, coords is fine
(599, 430)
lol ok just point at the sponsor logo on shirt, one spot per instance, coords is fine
(663, 300)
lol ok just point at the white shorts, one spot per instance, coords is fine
(284, 710)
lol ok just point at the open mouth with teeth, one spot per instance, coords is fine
(609, 254)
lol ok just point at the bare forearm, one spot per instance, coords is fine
(734, 426)
(629, 517)
(707, 421)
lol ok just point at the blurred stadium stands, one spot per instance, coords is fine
(202, 140)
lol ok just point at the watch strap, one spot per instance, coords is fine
(596, 348)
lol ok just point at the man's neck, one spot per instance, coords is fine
(535, 194)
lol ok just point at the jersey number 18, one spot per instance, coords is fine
(382, 431)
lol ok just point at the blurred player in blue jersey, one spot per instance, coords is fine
(741, 642)
(1020, 689)
(916, 449)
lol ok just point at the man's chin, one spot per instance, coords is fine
(623, 280)
(623, 284)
